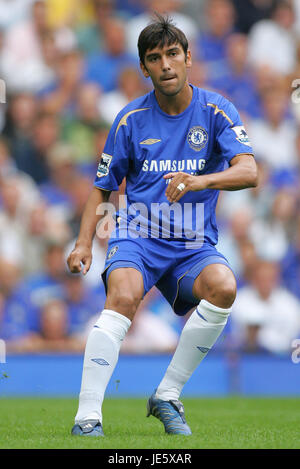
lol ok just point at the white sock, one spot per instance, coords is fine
(198, 336)
(100, 358)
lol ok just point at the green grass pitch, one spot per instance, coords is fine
(233, 422)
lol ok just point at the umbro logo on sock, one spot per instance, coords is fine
(100, 361)
(203, 349)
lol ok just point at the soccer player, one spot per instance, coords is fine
(177, 146)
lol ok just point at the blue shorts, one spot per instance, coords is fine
(167, 264)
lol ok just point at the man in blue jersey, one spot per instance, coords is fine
(177, 146)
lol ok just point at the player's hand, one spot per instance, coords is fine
(191, 183)
(81, 255)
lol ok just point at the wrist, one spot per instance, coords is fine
(200, 183)
(83, 243)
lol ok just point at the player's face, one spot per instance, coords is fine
(167, 68)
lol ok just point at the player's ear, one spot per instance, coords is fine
(144, 70)
(188, 59)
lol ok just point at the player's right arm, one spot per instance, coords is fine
(112, 169)
(82, 252)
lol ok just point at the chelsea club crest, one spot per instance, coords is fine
(197, 138)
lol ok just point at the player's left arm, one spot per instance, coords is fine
(241, 174)
(232, 145)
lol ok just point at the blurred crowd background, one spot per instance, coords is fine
(69, 66)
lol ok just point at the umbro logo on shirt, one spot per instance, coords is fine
(150, 141)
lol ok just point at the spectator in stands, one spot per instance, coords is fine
(130, 86)
(43, 286)
(89, 166)
(13, 12)
(43, 222)
(54, 326)
(22, 50)
(50, 53)
(68, 12)
(284, 209)
(265, 316)
(62, 175)
(290, 266)
(60, 96)
(13, 213)
(276, 227)
(211, 43)
(34, 160)
(10, 174)
(105, 67)
(274, 135)
(20, 118)
(79, 129)
(234, 234)
(249, 12)
(271, 41)
(89, 36)
(236, 80)
(53, 335)
(249, 258)
(15, 316)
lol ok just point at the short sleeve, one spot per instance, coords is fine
(114, 161)
(231, 135)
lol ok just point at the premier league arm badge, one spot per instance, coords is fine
(103, 167)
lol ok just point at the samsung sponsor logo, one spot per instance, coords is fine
(174, 165)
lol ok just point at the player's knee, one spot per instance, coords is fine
(226, 293)
(123, 301)
(220, 289)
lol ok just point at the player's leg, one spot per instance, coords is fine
(125, 289)
(215, 286)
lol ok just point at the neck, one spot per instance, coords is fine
(175, 104)
(264, 295)
(275, 124)
(238, 69)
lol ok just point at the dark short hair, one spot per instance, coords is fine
(160, 32)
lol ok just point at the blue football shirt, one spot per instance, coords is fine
(145, 143)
